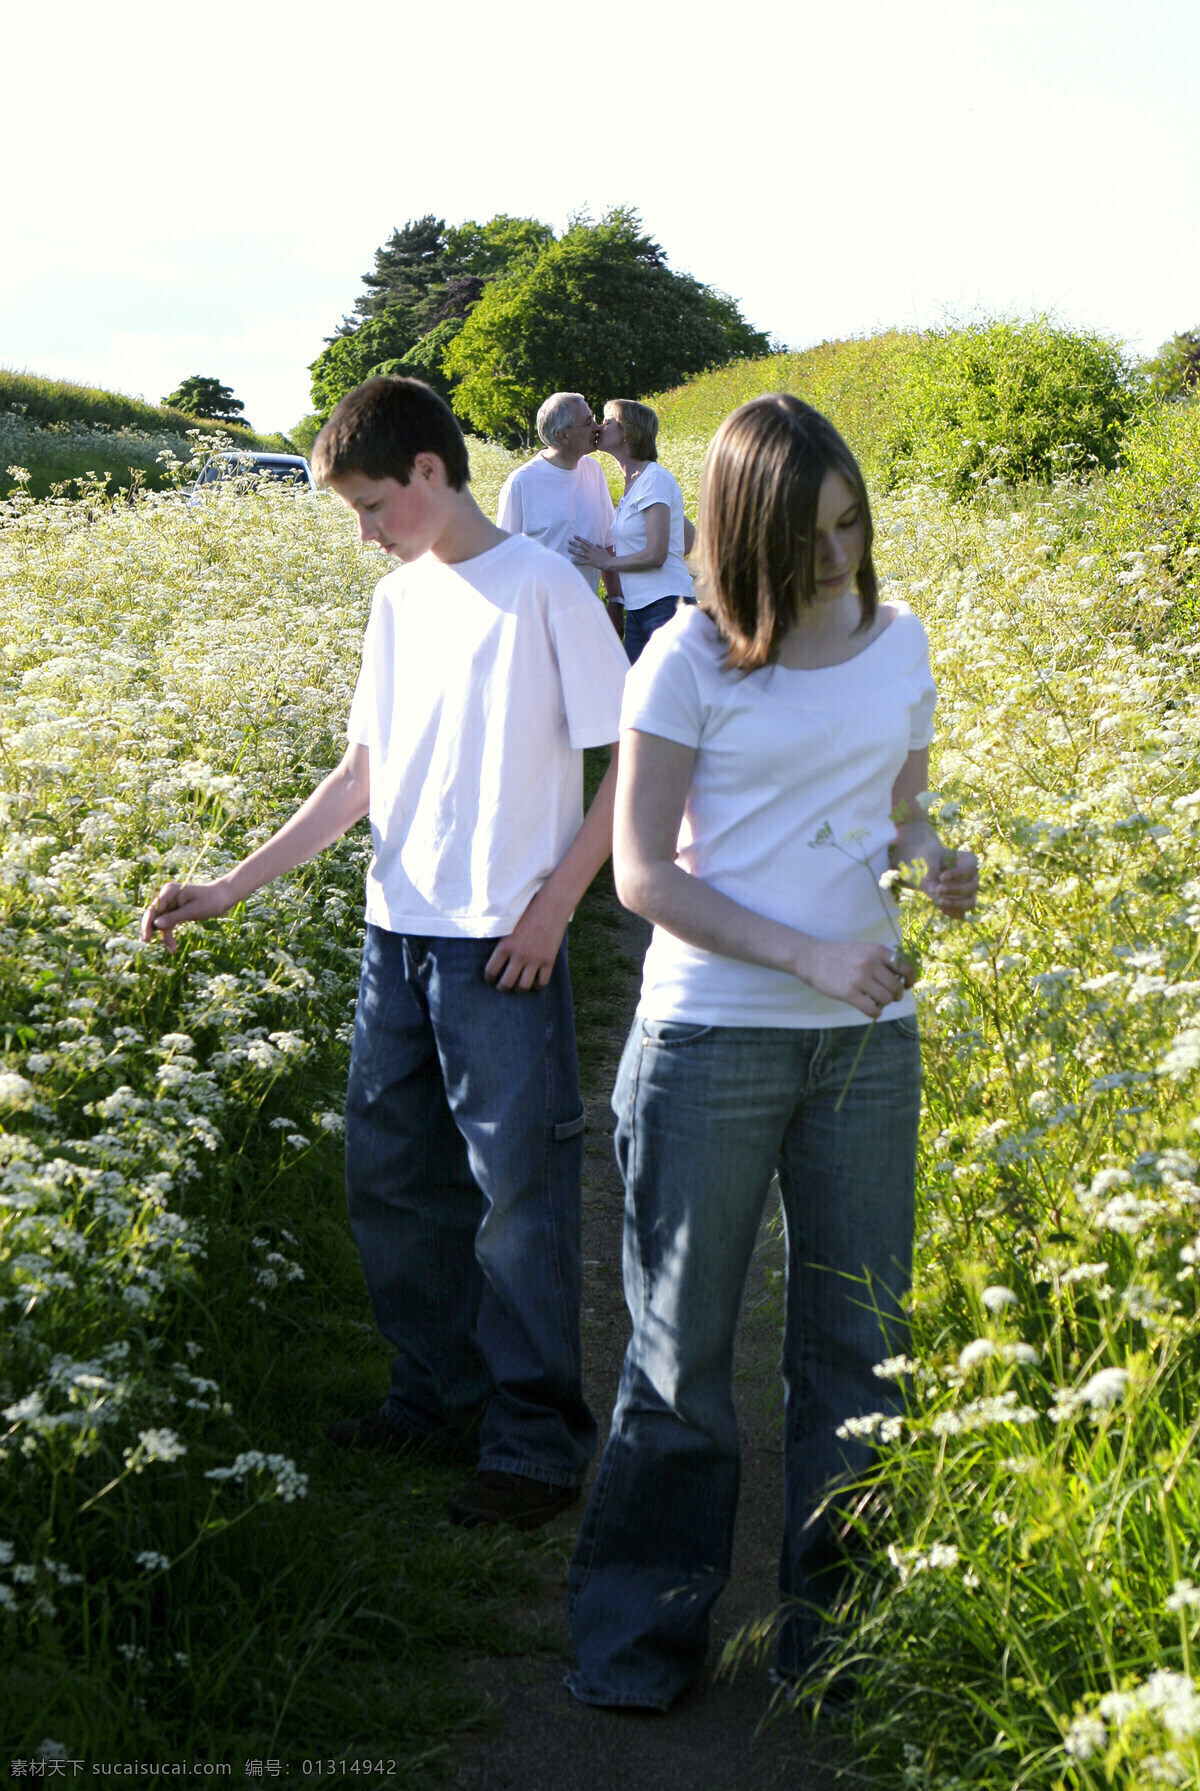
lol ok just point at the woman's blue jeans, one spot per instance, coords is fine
(464, 1157)
(705, 1117)
(640, 624)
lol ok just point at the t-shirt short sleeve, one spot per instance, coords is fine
(654, 487)
(662, 691)
(591, 667)
(358, 722)
(508, 509)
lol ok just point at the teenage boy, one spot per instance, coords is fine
(562, 493)
(487, 667)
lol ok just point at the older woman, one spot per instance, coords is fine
(651, 535)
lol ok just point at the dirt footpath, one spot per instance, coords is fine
(715, 1737)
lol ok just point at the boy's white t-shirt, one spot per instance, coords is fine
(552, 506)
(481, 683)
(789, 807)
(653, 485)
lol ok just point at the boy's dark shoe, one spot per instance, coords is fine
(375, 1431)
(491, 1496)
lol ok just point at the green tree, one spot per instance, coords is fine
(496, 248)
(407, 266)
(346, 361)
(424, 361)
(207, 398)
(598, 311)
(425, 281)
(1174, 372)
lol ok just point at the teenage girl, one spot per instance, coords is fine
(774, 742)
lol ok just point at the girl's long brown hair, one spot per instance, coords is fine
(758, 523)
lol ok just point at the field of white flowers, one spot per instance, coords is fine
(1028, 1611)
(174, 680)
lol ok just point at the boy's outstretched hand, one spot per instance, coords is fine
(177, 903)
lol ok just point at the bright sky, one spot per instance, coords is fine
(198, 188)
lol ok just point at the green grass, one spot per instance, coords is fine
(859, 383)
(59, 431)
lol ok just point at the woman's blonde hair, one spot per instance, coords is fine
(639, 424)
(757, 526)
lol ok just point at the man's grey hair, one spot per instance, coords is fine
(558, 412)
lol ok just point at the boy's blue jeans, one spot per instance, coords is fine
(464, 1156)
(705, 1116)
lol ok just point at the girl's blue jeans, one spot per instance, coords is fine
(706, 1115)
(464, 1155)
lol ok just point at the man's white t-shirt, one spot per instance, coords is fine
(653, 485)
(481, 683)
(789, 808)
(552, 506)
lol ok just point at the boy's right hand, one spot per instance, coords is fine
(177, 903)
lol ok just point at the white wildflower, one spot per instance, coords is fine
(15, 1092)
(1185, 1596)
(977, 1414)
(888, 1429)
(290, 1484)
(1106, 1181)
(1084, 1271)
(1087, 1737)
(155, 1445)
(894, 1368)
(997, 1298)
(25, 1411)
(974, 1353)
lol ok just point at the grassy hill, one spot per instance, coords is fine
(57, 430)
(1004, 398)
(1002, 411)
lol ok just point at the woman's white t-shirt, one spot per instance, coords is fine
(789, 807)
(653, 485)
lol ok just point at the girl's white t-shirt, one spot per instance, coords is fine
(653, 485)
(789, 808)
(481, 684)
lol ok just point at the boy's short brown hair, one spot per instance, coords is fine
(380, 427)
(757, 526)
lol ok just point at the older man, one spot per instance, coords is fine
(561, 492)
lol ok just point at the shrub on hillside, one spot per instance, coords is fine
(998, 399)
(1174, 372)
(304, 433)
(1013, 400)
(1149, 513)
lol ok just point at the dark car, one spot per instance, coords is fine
(256, 467)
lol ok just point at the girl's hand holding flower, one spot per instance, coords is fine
(954, 889)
